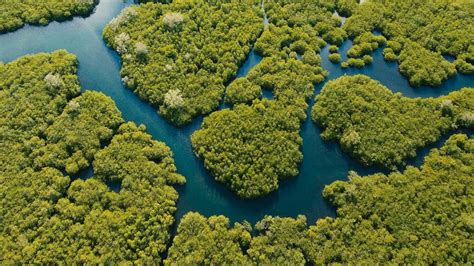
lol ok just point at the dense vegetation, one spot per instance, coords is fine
(212, 241)
(377, 126)
(422, 66)
(255, 144)
(14, 14)
(244, 147)
(335, 58)
(420, 216)
(30, 102)
(202, 241)
(241, 90)
(363, 46)
(90, 120)
(47, 217)
(250, 148)
(425, 29)
(346, 7)
(179, 56)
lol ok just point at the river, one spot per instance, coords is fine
(99, 69)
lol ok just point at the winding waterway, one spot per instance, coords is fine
(99, 69)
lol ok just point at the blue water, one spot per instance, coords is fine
(323, 163)
(88, 172)
(252, 59)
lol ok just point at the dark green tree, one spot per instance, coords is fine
(15, 14)
(193, 47)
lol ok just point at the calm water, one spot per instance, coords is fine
(323, 163)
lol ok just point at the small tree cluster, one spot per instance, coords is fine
(335, 58)
(242, 90)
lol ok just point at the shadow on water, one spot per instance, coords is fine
(323, 163)
(83, 174)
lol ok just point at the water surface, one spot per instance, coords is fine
(99, 69)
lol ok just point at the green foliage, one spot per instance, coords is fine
(357, 51)
(155, 1)
(333, 49)
(421, 31)
(311, 58)
(368, 37)
(389, 54)
(365, 18)
(291, 21)
(47, 219)
(14, 14)
(208, 241)
(277, 41)
(423, 67)
(355, 62)
(299, 13)
(280, 241)
(460, 104)
(241, 90)
(420, 216)
(251, 147)
(335, 36)
(212, 241)
(363, 46)
(434, 25)
(192, 46)
(28, 104)
(465, 62)
(441, 20)
(377, 126)
(335, 58)
(288, 78)
(77, 134)
(346, 7)
(367, 59)
(395, 46)
(134, 155)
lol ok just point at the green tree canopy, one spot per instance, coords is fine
(377, 126)
(420, 216)
(426, 28)
(49, 218)
(192, 46)
(14, 14)
(255, 144)
(87, 123)
(208, 241)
